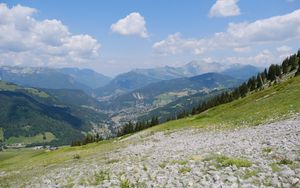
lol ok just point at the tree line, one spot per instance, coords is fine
(89, 138)
(127, 128)
(131, 127)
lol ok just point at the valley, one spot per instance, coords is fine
(134, 96)
(150, 94)
(229, 145)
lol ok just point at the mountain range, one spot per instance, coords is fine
(163, 92)
(139, 78)
(65, 78)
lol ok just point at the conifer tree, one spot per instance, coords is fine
(272, 73)
(285, 66)
(259, 81)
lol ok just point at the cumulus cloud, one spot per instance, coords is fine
(284, 49)
(278, 28)
(238, 36)
(133, 24)
(25, 40)
(242, 49)
(224, 8)
(264, 57)
(175, 44)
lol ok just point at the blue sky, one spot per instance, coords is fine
(153, 32)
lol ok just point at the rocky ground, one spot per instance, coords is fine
(261, 156)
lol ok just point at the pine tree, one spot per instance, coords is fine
(259, 81)
(272, 73)
(278, 70)
(243, 90)
(194, 111)
(285, 66)
(154, 121)
(298, 71)
(293, 61)
(264, 75)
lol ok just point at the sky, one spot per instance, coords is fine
(115, 36)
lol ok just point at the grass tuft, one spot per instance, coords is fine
(267, 150)
(275, 167)
(250, 173)
(125, 184)
(225, 161)
(100, 177)
(180, 162)
(184, 170)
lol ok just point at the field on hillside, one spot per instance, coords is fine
(39, 138)
(269, 105)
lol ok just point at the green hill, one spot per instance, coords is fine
(33, 116)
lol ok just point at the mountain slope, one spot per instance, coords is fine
(164, 92)
(195, 68)
(41, 78)
(86, 76)
(74, 97)
(49, 78)
(124, 83)
(23, 116)
(269, 105)
(26, 113)
(242, 72)
(179, 105)
(139, 78)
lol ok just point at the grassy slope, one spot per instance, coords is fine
(32, 163)
(264, 106)
(33, 139)
(268, 105)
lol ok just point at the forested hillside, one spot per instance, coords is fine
(31, 116)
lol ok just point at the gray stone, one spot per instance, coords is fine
(231, 179)
(293, 180)
(287, 173)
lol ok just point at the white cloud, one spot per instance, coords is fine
(277, 28)
(224, 8)
(242, 49)
(133, 24)
(238, 36)
(265, 57)
(284, 49)
(27, 41)
(175, 44)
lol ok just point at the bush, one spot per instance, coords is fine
(285, 162)
(76, 156)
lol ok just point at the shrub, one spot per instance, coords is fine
(76, 156)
